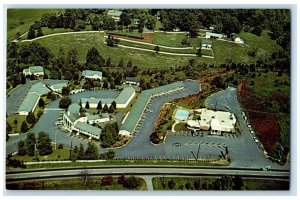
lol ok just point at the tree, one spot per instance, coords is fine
(80, 154)
(121, 63)
(30, 144)
(91, 152)
(107, 180)
(105, 108)
(125, 19)
(129, 64)
(31, 33)
(105, 84)
(156, 48)
(111, 109)
(39, 32)
(199, 53)
(114, 104)
(65, 102)
(110, 154)
(171, 184)
(24, 127)
(93, 58)
(238, 182)
(8, 128)
(44, 144)
(109, 135)
(121, 179)
(23, 79)
(30, 118)
(132, 182)
(87, 105)
(65, 91)
(197, 184)
(99, 106)
(108, 62)
(22, 148)
(41, 102)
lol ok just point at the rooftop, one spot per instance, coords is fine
(214, 34)
(29, 102)
(125, 95)
(91, 73)
(36, 69)
(59, 86)
(132, 79)
(141, 103)
(115, 13)
(88, 128)
(39, 88)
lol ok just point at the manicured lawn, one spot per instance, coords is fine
(19, 20)
(169, 39)
(150, 47)
(166, 126)
(207, 52)
(83, 42)
(16, 128)
(74, 184)
(57, 154)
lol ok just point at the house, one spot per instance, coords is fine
(206, 44)
(212, 27)
(34, 70)
(237, 39)
(92, 74)
(213, 35)
(57, 87)
(132, 81)
(115, 14)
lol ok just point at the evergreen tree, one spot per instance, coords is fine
(91, 152)
(44, 144)
(31, 33)
(22, 148)
(121, 63)
(87, 105)
(30, 118)
(41, 102)
(129, 64)
(99, 106)
(24, 127)
(80, 154)
(39, 32)
(111, 109)
(108, 62)
(105, 108)
(114, 104)
(30, 144)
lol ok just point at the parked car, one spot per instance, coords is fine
(176, 144)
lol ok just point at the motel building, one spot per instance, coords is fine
(83, 123)
(218, 122)
(90, 74)
(34, 70)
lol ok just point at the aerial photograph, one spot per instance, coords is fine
(148, 99)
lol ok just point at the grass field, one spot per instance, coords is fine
(19, 20)
(57, 155)
(83, 42)
(150, 47)
(180, 127)
(16, 128)
(73, 184)
(169, 39)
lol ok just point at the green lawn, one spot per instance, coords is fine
(57, 154)
(83, 42)
(169, 39)
(263, 42)
(73, 184)
(150, 47)
(180, 127)
(19, 20)
(16, 128)
(207, 52)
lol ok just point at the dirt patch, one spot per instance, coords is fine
(147, 37)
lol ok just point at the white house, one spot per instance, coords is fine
(206, 44)
(57, 87)
(35, 70)
(213, 35)
(115, 14)
(92, 74)
(237, 39)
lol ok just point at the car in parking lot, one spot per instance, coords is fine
(58, 123)
(176, 144)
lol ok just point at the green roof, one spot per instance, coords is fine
(59, 86)
(74, 108)
(96, 100)
(91, 73)
(36, 69)
(39, 88)
(88, 128)
(29, 102)
(125, 95)
(141, 103)
(98, 116)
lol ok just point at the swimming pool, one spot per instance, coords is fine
(181, 114)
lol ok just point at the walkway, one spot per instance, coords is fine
(66, 33)
(148, 180)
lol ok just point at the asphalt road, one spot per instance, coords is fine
(145, 171)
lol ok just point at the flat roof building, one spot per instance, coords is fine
(92, 74)
(35, 70)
